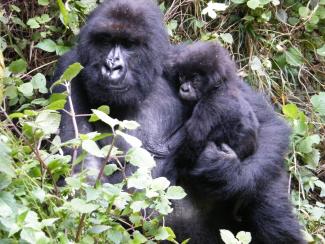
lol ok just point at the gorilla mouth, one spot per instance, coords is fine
(118, 88)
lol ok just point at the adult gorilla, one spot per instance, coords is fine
(122, 48)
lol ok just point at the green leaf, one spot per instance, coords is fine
(294, 57)
(33, 23)
(291, 111)
(81, 206)
(159, 184)
(228, 237)
(162, 234)
(43, 2)
(105, 118)
(57, 105)
(227, 38)
(175, 193)
(304, 12)
(18, 66)
(244, 237)
(48, 121)
(129, 124)
(39, 194)
(306, 145)
(26, 89)
(132, 140)
(318, 102)
(253, 4)
(97, 229)
(238, 1)
(321, 51)
(64, 12)
(49, 222)
(71, 72)
(110, 169)
(6, 160)
(140, 157)
(91, 147)
(39, 83)
(138, 238)
(104, 108)
(47, 45)
(74, 182)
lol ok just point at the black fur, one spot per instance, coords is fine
(219, 111)
(145, 96)
(226, 192)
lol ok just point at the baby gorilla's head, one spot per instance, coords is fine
(199, 68)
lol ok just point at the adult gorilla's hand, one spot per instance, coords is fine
(215, 168)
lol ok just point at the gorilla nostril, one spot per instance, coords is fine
(184, 89)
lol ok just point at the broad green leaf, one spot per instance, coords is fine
(110, 169)
(140, 157)
(162, 234)
(138, 238)
(228, 237)
(6, 160)
(294, 57)
(81, 206)
(18, 66)
(291, 111)
(97, 229)
(74, 182)
(105, 118)
(238, 1)
(104, 108)
(49, 222)
(304, 12)
(57, 105)
(43, 2)
(306, 145)
(227, 38)
(33, 23)
(39, 83)
(26, 89)
(48, 121)
(39, 193)
(253, 4)
(175, 193)
(64, 12)
(132, 140)
(47, 45)
(91, 147)
(129, 124)
(71, 72)
(159, 184)
(318, 102)
(244, 237)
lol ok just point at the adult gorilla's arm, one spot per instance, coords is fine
(79, 101)
(224, 175)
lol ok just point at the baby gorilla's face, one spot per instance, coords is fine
(191, 87)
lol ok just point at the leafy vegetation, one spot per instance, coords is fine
(279, 48)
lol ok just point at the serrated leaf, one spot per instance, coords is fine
(47, 45)
(33, 23)
(175, 193)
(162, 234)
(104, 108)
(159, 184)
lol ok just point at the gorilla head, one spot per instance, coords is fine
(122, 48)
(200, 67)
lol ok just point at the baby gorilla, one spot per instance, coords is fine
(207, 75)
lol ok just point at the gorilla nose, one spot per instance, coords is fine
(185, 88)
(114, 68)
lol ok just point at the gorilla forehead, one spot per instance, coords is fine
(140, 20)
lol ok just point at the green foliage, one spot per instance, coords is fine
(280, 49)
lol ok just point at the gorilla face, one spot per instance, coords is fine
(122, 47)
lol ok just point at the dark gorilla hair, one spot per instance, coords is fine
(205, 75)
(137, 27)
(245, 190)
